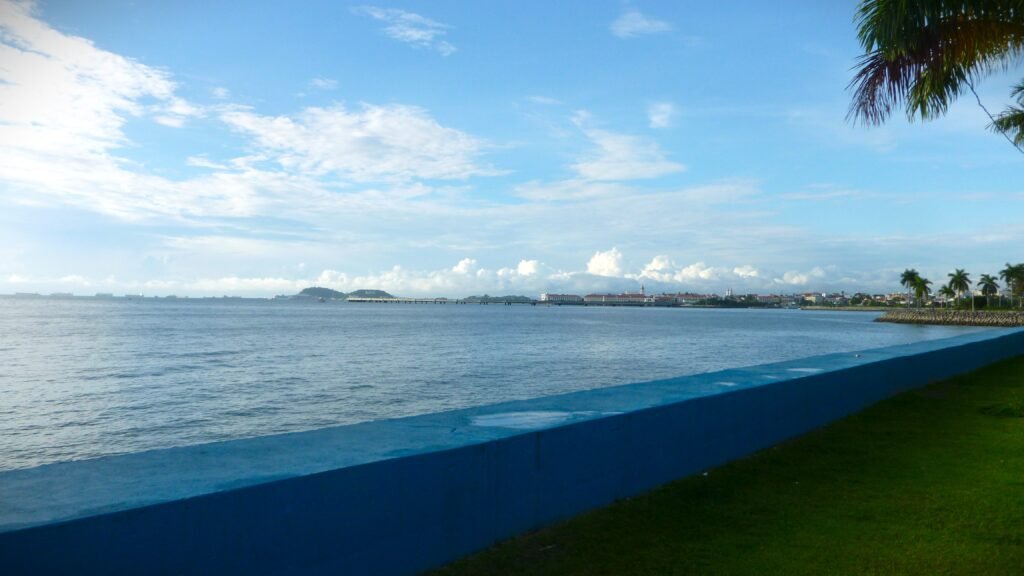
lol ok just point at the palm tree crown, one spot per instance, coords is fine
(922, 54)
(960, 281)
(947, 292)
(921, 288)
(988, 285)
(908, 278)
(1013, 275)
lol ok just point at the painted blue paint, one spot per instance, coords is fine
(401, 496)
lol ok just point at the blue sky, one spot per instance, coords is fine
(453, 148)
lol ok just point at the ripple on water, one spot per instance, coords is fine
(89, 378)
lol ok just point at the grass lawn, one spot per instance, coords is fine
(928, 482)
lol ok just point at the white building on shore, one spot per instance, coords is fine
(561, 298)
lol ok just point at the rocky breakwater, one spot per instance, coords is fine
(993, 318)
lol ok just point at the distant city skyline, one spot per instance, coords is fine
(456, 148)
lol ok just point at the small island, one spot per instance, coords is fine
(329, 294)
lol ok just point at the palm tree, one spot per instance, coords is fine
(960, 281)
(908, 279)
(947, 293)
(989, 287)
(922, 54)
(921, 289)
(1018, 283)
(1013, 274)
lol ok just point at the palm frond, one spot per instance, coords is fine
(1011, 123)
(921, 53)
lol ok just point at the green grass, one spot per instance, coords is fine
(929, 482)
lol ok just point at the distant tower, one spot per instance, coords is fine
(641, 288)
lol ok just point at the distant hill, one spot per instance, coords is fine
(328, 294)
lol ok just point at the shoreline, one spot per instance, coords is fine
(945, 317)
(847, 308)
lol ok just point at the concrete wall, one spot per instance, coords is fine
(950, 317)
(401, 496)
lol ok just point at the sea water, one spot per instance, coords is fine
(82, 378)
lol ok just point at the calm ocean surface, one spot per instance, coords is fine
(83, 378)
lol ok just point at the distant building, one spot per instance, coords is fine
(666, 300)
(689, 298)
(624, 299)
(814, 298)
(561, 298)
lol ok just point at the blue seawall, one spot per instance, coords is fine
(401, 496)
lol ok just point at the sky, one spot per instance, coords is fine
(449, 148)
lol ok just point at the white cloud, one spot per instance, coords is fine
(527, 267)
(621, 156)
(465, 266)
(204, 162)
(64, 97)
(663, 269)
(661, 114)
(181, 108)
(323, 84)
(170, 121)
(634, 23)
(66, 103)
(796, 278)
(697, 271)
(624, 157)
(458, 280)
(410, 28)
(746, 271)
(573, 189)
(220, 92)
(607, 263)
(659, 268)
(374, 143)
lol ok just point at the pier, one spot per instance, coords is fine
(430, 301)
(399, 300)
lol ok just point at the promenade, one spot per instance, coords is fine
(927, 482)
